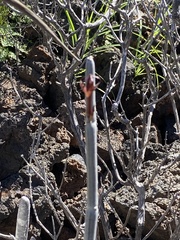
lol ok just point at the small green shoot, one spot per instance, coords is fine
(71, 28)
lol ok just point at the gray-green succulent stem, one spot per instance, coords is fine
(91, 152)
(22, 224)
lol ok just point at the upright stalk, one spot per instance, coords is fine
(22, 224)
(91, 151)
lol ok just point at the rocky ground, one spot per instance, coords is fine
(33, 89)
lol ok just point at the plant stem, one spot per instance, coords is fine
(91, 152)
(22, 224)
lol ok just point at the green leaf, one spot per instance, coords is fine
(3, 53)
(71, 28)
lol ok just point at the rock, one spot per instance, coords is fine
(117, 140)
(10, 195)
(12, 189)
(36, 67)
(158, 196)
(13, 133)
(74, 176)
(170, 129)
(79, 107)
(154, 135)
(154, 151)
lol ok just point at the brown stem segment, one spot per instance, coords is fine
(88, 91)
